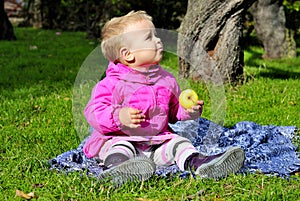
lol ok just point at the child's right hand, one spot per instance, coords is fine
(131, 117)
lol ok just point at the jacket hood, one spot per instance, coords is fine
(122, 72)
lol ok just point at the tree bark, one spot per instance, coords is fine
(269, 23)
(209, 42)
(37, 18)
(6, 28)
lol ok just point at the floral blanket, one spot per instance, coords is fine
(269, 149)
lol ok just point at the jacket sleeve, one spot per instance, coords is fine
(100, 113)
(176, 111)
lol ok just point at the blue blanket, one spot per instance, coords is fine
(269, 149)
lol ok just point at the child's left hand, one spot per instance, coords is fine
(196, 110)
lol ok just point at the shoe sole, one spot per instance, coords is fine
(139, 168)
(230, 162)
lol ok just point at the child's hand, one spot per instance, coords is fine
(131, 117)
(196, 110)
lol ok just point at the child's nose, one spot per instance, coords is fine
(157, 39)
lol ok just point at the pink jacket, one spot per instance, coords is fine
(155, 92)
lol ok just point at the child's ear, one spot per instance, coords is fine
(126, 55)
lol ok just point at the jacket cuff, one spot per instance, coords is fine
(182, 115)
(116, 110)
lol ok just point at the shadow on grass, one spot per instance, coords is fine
(255, 58)
(273, 69)
(275, 73)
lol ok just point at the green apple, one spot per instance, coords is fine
(188, 98)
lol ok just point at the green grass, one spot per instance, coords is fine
(36, 124)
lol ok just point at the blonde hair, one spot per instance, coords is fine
(111, 39)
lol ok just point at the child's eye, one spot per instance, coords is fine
(149, 36)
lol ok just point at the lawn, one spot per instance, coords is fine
(38, 72)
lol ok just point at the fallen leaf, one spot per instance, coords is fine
(37, 185)
(201, 192)
(292, 103)
(24, 195)
(33, 47)
(219, 199)
(190, 197)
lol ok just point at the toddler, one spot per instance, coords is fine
(131, 107)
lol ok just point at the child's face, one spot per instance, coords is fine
(142, 42)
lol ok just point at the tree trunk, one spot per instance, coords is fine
(47, 12)
(6, 28)
(36, 9)
(269, 23)
(209, 43)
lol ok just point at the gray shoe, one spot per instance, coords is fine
(139, 168)
(222, 165)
